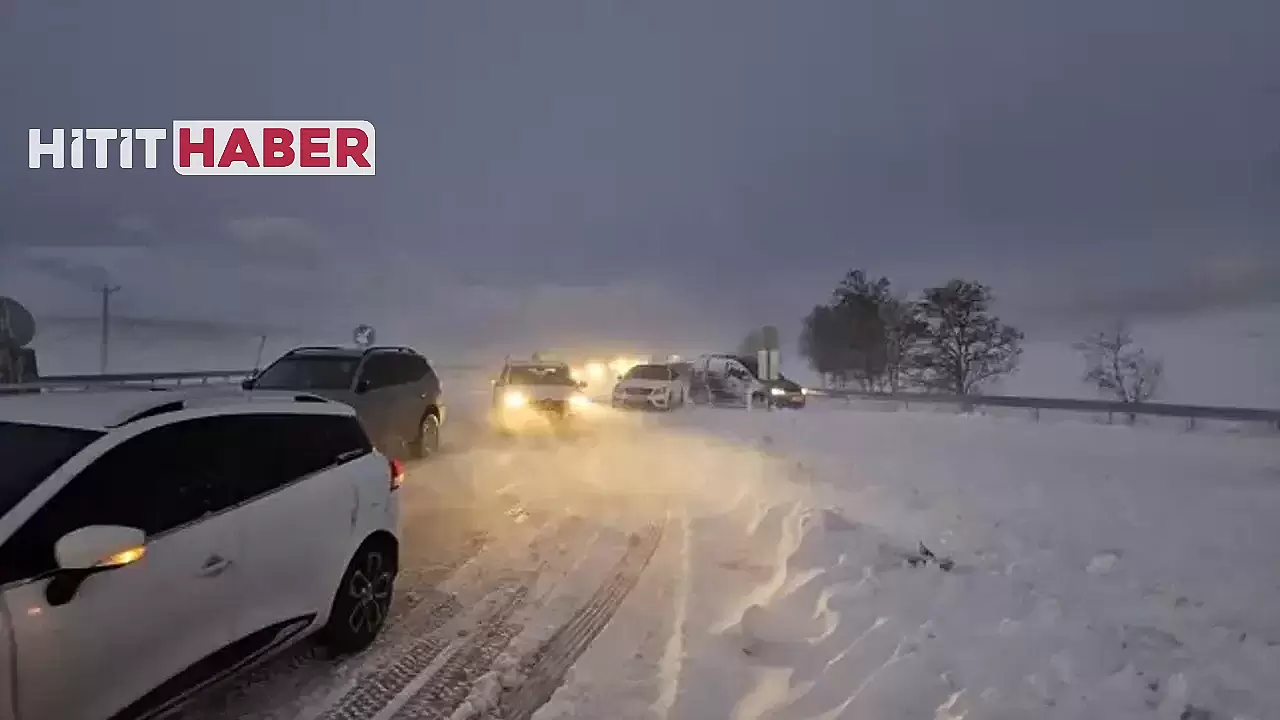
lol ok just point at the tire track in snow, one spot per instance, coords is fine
(544, 671)
(373, 692)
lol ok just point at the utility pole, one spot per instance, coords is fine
(107, 291)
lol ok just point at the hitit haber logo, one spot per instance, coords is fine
(218, 147)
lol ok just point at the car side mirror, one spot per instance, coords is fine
(90, 550)
(582, 384)
(363, 386)
(96, 546)
(247, 384)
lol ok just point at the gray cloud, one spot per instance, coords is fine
(721, 162)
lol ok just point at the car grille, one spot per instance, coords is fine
(549, 405)
(638, 391)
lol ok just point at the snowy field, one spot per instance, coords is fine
(1098, 572)
(1092, 572)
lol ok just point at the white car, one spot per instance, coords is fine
(656, 387)
(530, 394)
(154, 543)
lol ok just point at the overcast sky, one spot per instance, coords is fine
(578, 170)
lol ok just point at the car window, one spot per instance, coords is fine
(380, 371)
(30, 453)
(263, 452)
(155, 482)
(648, 372)
(309, 372)
(409, 368)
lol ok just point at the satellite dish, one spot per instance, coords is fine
(17, 326)
(364, 335)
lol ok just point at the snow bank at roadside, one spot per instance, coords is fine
(1097, 574)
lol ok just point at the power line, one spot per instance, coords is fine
(107, 291)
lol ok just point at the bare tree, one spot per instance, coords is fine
(859, 300)
(751, 343)
(903, 331)
(1118, 367)
(963, 345)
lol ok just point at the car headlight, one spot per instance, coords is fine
(777, 391)
(579, 401)
(515, 399)
(804, 391)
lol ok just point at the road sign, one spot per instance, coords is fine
(364, 335)
(17, 326)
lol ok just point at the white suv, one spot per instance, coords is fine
(649, 386)
(154, 543)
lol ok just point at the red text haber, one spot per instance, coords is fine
(273, 148)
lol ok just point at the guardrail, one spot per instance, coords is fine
(967, 403)
(57, 383)
(83, 382)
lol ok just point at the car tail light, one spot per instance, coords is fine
(397, 474)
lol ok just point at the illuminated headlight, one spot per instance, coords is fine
(777, 391)
(579, 401)
(515, 399)
(804, 391)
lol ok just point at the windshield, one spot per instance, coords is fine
(541, 375)
(648, 372)
(30, 453)
(318, 372)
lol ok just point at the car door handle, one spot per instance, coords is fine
(214, 566)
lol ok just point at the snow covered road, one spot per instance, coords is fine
(726, 564)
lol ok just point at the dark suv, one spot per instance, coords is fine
(394, 391)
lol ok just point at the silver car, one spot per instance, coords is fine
(394, 390)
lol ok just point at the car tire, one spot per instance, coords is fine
(362, 602)
(427, 440)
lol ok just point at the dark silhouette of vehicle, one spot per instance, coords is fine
(394, 390)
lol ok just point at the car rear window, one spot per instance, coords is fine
(30, 453)
(309, 372)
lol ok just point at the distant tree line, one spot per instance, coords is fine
(946, 339)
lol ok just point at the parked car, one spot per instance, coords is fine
(395, 391)
(655, 387)
(723, 379)
(154, 543)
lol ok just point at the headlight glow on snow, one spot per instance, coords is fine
(515, 399)
(579, 401)
(595, 370)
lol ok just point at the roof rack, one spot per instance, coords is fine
(183, 404)
(305, 348)
(390, 348)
